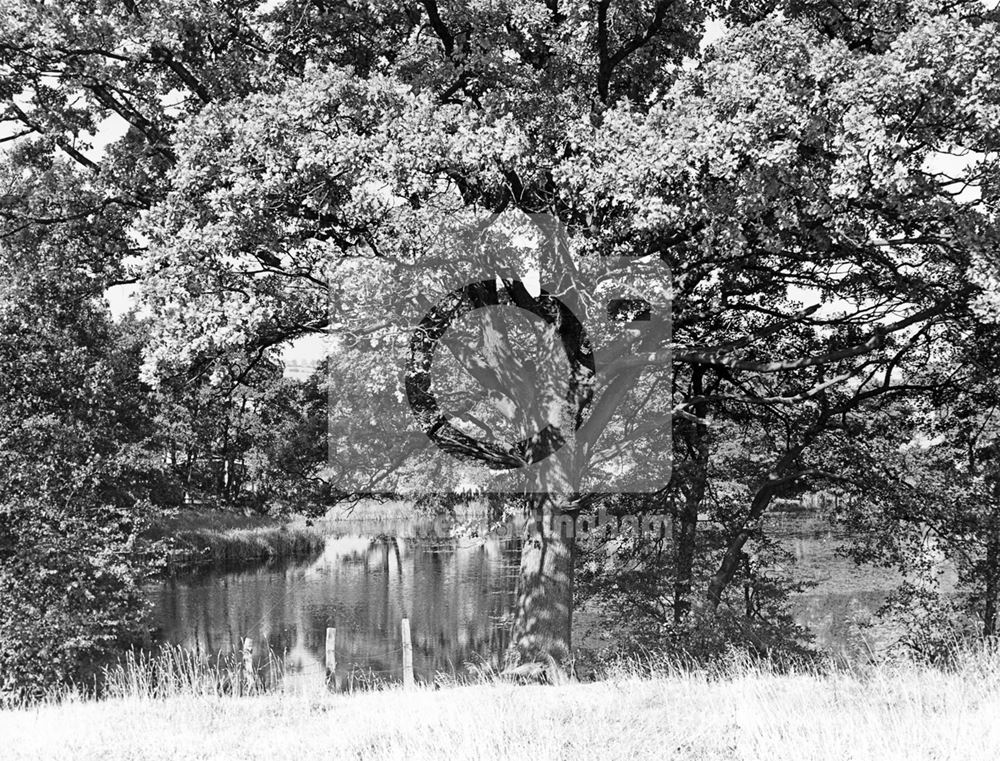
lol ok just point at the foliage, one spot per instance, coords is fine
(73, 469)
(930, 507)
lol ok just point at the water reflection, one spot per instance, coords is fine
(459, 597)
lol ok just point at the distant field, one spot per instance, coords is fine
(742, 712)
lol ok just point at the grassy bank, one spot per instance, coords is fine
(207, 536)
(739, 711)
(216, 537)
(397, 510)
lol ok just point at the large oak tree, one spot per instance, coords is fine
(795, 161)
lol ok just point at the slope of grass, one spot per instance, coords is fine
(215, 537)
(238, 546)
(741, 711)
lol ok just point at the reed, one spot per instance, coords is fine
(171, 672)
(238, 546)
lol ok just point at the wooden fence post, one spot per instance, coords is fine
(331, 654)
(331, 658)
(248, 663)
(407, 655)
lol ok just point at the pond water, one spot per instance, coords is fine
(458, 595)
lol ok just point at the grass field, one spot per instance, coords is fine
(736, 711)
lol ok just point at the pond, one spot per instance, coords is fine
(458, 595)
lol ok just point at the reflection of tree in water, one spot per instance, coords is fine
(845, 625)
(457, 595)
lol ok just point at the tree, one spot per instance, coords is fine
(74, 469)
(930, 496)
(213, 423)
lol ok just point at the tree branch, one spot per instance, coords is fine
(60, 141)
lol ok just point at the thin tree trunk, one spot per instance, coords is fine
(685, 529)
(783, 474)
(685, 525)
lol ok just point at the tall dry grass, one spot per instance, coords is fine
(240, 546)
(739, 708)
(201, 536)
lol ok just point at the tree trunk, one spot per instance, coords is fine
(544, 617)
(685, 523)
(685, 529)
